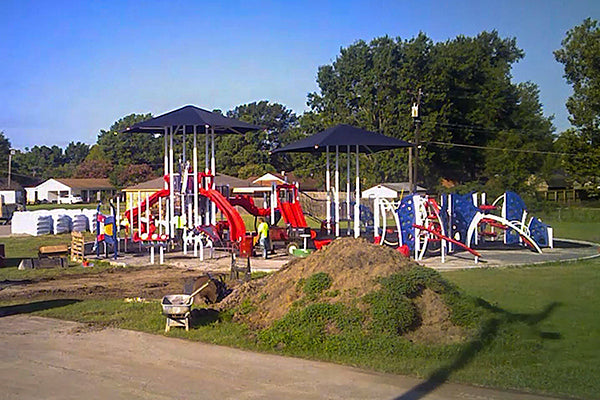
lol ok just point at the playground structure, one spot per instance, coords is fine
(186, 211)
(460, 222)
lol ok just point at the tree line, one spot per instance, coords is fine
(478, 127)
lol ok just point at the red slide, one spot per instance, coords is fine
(296, 209)
(237, 228)
(132, 213)
(247, 203)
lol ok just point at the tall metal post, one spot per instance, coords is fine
(196, 220)
(337, 191)
(166, 158)
(171, 217)
(357, 200)
(416, 110)
(348, 189)
(213, 171)
(328, 190)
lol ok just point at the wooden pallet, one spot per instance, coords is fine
(77, 244)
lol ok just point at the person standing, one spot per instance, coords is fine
(263, 236)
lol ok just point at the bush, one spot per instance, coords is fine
(316, 284)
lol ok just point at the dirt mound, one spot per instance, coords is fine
(353, 268)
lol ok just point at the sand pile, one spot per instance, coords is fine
(355, 268)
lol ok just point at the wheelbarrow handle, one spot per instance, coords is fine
(195, 292)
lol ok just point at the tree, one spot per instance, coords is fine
(468, 98)
(4, 151)
(75, 153)
(93, 169)
(243, 155)
(131, 174)
(127, 148)
(580, 55)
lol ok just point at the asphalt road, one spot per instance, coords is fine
(44, 358)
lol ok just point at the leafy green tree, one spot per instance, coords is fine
(94, 169)
(41, 162)
(468, 98)
(76, 152)
(4, 151)
(580, 55)
(246, 155)
(131, 174)
(127, 148)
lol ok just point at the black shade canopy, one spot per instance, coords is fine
(189, 116)
(344, 136)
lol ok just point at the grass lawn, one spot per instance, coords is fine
(546, 335)
(541, 334)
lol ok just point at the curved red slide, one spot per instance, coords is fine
(247, 203)
(132, 213)
(237, 228)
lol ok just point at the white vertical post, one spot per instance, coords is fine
(357, 199)
(148, 217)
(139, 206)
(166, 159)
(171, 216)
(376, 219)
(152, 254)
(213, 168)
(328, 190)
(161, 252)
(206, 170)
(196, 220)
(160, 216)
(118, 222)
(337, 191)
(348, 189)
(273, 202)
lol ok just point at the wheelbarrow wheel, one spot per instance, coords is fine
(291, 247)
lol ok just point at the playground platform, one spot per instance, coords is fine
(500, 255)
(493, 255)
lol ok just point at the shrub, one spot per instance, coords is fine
(316, 283)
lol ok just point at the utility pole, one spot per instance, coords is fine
(416, 115)
(10, 154)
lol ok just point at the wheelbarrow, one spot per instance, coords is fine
(177, 308)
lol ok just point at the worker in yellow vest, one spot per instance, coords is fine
(263, 236)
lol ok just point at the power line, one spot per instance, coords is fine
(472, 146)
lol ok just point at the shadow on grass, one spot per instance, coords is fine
(486, 335)
(203, 317)
(27, 308)
(12, 262)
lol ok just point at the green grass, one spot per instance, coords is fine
(546, 334)
(540, 332)
(52, 206)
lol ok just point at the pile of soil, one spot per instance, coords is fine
(354, 266)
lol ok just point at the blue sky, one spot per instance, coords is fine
(71, 68)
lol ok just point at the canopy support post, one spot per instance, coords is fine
(357, 199)
(328, 190)
(196, 219)
(171, 218)
(337, 191)
(348, 189)
(213, 169)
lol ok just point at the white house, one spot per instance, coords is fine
(390, 190)
(90, 189)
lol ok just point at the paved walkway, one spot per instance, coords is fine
(52, 359)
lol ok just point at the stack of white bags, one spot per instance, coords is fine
(44, 222)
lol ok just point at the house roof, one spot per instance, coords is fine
(86, 183)
(306, 184)
(158, 183)
(398, 187)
